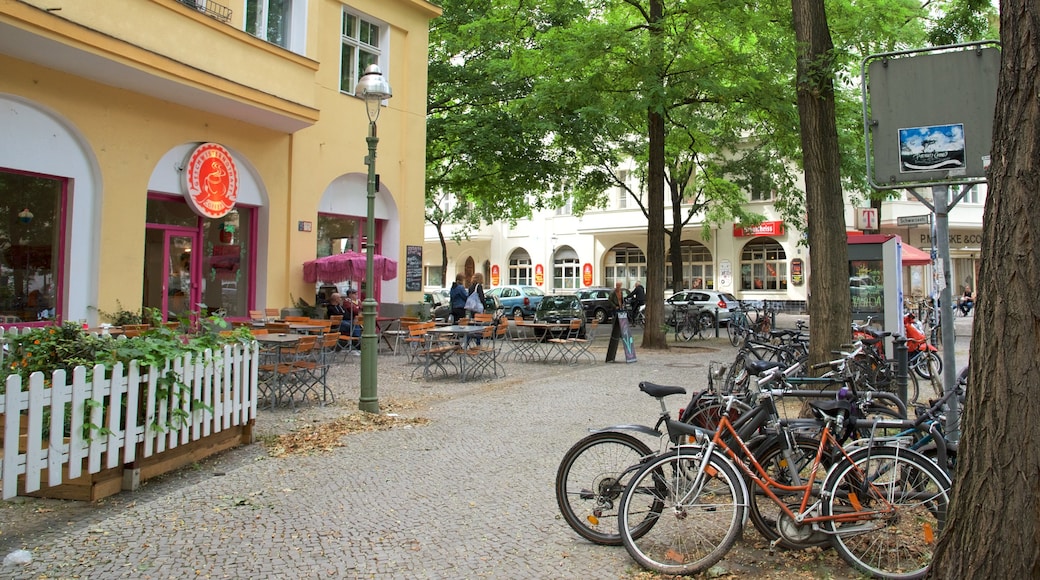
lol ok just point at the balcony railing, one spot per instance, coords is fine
(210, 8)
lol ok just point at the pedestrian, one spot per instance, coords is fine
(457, 298)
(476, 287)
(616, 299)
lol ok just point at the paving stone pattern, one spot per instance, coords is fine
(469, 495)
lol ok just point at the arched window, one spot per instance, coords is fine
(626, 264)
(566, 269)
(697, 266)
(520, 269)
(763, 266)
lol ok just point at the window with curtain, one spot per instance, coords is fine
(269, 20)
(566, 270)
(697, 269)
(520, 269)
(763, 266)
(362, 44)
(625, 264)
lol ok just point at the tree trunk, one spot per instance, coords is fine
(653, 337)
(994, 526)
(829, 304)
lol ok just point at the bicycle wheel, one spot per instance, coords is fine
(699, 519)
(709, 411)
(903, 498)
(764, 513)
(705, 322)
(733, 330)
(591, 479)
(929, 365)
(686, 329)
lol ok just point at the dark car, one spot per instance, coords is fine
(440, 303)
(596, 302)
(561, 308)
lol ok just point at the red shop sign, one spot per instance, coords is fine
(763, 229)
(210, 181)
(495, 276)
(586, 274)
(539, 275)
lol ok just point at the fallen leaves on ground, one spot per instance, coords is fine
(323, 437)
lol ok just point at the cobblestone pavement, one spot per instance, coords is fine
(469, 495)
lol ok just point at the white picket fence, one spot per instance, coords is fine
(225, 384)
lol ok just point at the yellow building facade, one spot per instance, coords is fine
(108, 109)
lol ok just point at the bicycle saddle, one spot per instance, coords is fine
(657, 391)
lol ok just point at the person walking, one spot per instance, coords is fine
(457, 298)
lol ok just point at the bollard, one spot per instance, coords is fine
(899, 350)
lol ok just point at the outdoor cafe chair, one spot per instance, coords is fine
(524, 344)
(564, 343)
(310, 367)
(257, 316)
(581, 346)
(272, 313)
(477, 359)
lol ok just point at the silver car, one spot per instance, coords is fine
(702, 301)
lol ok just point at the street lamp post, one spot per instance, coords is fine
(374, 89)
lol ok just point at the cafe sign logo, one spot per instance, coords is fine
(211, 181)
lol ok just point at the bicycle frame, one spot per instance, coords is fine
(760, 477)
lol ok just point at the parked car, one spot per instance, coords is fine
(517, 300)
(440, 303)
(702, 301)
(561, 308)
(596, 302)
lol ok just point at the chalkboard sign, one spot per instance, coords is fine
(413, 269)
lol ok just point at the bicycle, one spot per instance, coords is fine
(689, 324)
(877, 503)
(594, 471)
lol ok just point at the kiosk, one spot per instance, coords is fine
(876, 282)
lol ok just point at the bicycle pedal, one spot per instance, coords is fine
(772, 546)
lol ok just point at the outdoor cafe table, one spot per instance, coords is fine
(306, 328)
(449, 338)
(542, 350)
(275, 345)
(383, 323)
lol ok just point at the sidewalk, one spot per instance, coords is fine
(467, 495)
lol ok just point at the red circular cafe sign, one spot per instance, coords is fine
(586, 274)
(211, 180)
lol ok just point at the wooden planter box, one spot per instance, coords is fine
(93, 487)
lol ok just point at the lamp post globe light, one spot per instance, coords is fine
(374, 89)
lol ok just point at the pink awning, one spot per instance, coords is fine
(914, 257)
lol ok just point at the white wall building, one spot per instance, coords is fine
(560, 252)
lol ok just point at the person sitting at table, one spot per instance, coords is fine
(458, 296)
(348, 309)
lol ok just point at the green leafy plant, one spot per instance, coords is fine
(67, 346)
(306, 309)
(121, 316)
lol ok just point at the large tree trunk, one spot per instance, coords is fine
(829, 304)
(653, 336)
(994, 526)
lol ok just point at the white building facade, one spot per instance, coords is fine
(560, 252)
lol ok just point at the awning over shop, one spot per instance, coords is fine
(914, 257)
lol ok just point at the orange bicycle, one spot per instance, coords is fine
(881, 504)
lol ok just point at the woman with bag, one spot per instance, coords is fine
(475, 302)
